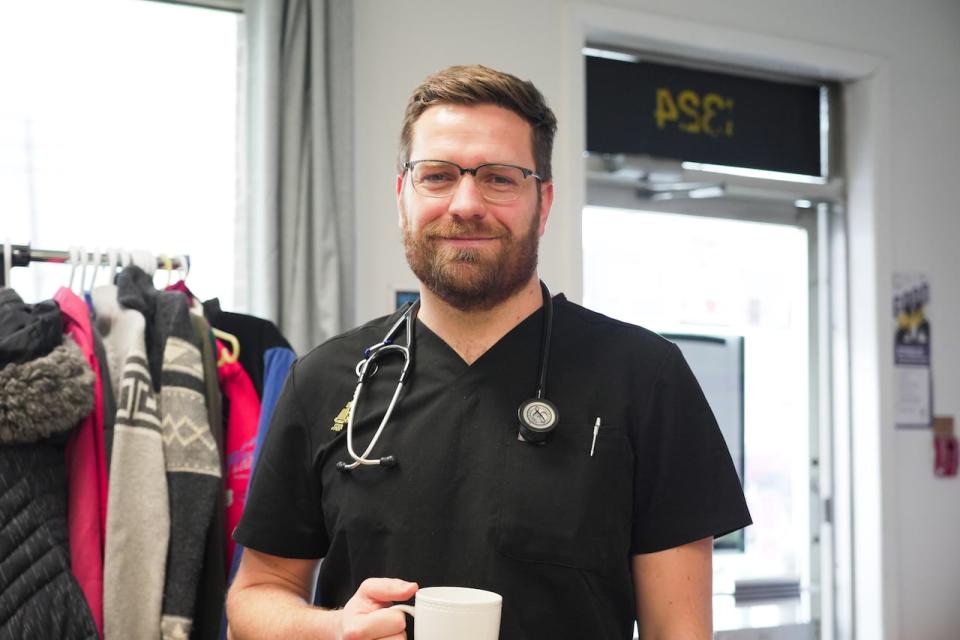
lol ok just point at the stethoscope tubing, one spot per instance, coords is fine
(363, 369)
(368, 367)
(545, 339)
(358, 460)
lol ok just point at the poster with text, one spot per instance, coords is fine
(911, 351)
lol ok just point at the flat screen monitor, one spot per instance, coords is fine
(717, 363)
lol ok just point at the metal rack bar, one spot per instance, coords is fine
(24, 254)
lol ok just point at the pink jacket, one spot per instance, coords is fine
(241, 439)
(86, 468)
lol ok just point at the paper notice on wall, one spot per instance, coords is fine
(911, 351)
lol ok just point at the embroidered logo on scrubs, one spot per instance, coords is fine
(341, 418)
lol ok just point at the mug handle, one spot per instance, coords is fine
(406, 608)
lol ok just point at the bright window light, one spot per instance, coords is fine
(610, 55)
(118, 128)
(687, 274)
(753, 173)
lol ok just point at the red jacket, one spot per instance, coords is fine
(240, 439)
(86, 468)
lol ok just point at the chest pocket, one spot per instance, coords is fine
(560, 505)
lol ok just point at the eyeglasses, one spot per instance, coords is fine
(439, 179)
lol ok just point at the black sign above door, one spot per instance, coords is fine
(645, 108)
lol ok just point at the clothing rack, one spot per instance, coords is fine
(24, 254)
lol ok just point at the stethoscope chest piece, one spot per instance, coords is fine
(538, 417)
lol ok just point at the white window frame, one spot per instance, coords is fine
(627, 182)
(225, 5)
(866, 540)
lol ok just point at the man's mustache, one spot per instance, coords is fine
(463, 229)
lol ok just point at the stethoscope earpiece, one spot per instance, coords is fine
(386, 461)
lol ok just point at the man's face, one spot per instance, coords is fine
(470, 252)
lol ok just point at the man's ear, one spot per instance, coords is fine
(400, 200)
(546, 202)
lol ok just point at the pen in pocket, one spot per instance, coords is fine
(596, 429)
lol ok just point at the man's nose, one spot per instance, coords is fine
(467, 199)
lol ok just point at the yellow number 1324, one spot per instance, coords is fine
(691, 112)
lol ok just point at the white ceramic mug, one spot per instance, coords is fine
(455, 613)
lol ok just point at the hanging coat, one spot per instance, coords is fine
(243, 414)
(46, 387)
(190, 451)
(86, 468)
(138, 511)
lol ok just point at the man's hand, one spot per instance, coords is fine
(270, 598)
(365, 616)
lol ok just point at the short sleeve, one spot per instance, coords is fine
(685, 484)
(283, 514)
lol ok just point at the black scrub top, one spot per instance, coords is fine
(549, 527)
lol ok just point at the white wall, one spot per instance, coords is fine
(902, 63)
(397, 45)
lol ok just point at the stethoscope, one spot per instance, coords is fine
(538, 416)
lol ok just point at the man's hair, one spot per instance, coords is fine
(477, 85)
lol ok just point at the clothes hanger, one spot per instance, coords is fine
(146, 261)
(84, 261)
(227, 356)
(74, 252)
(183, 270)
(113, 263)
(168, 267)
(97, 259)
(184, 266)
(7, 263)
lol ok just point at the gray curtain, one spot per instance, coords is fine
(297, 180)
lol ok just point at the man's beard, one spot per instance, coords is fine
(471, 279)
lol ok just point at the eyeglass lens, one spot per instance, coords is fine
(438, 179)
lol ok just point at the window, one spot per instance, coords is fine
(118, 128)
(692, 275)
(715, 217)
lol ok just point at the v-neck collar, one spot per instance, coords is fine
(527, 332)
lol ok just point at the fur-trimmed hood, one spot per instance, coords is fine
(45, 396)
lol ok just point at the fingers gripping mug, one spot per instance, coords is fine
(443, 613)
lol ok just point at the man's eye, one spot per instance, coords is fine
(436, 177)
(501, 180)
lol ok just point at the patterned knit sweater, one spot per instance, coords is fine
(190, 452)
(138, 513)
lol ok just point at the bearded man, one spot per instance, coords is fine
(496, 437)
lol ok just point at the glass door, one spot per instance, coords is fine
(705, 271)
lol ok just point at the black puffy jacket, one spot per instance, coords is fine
(45, 388)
